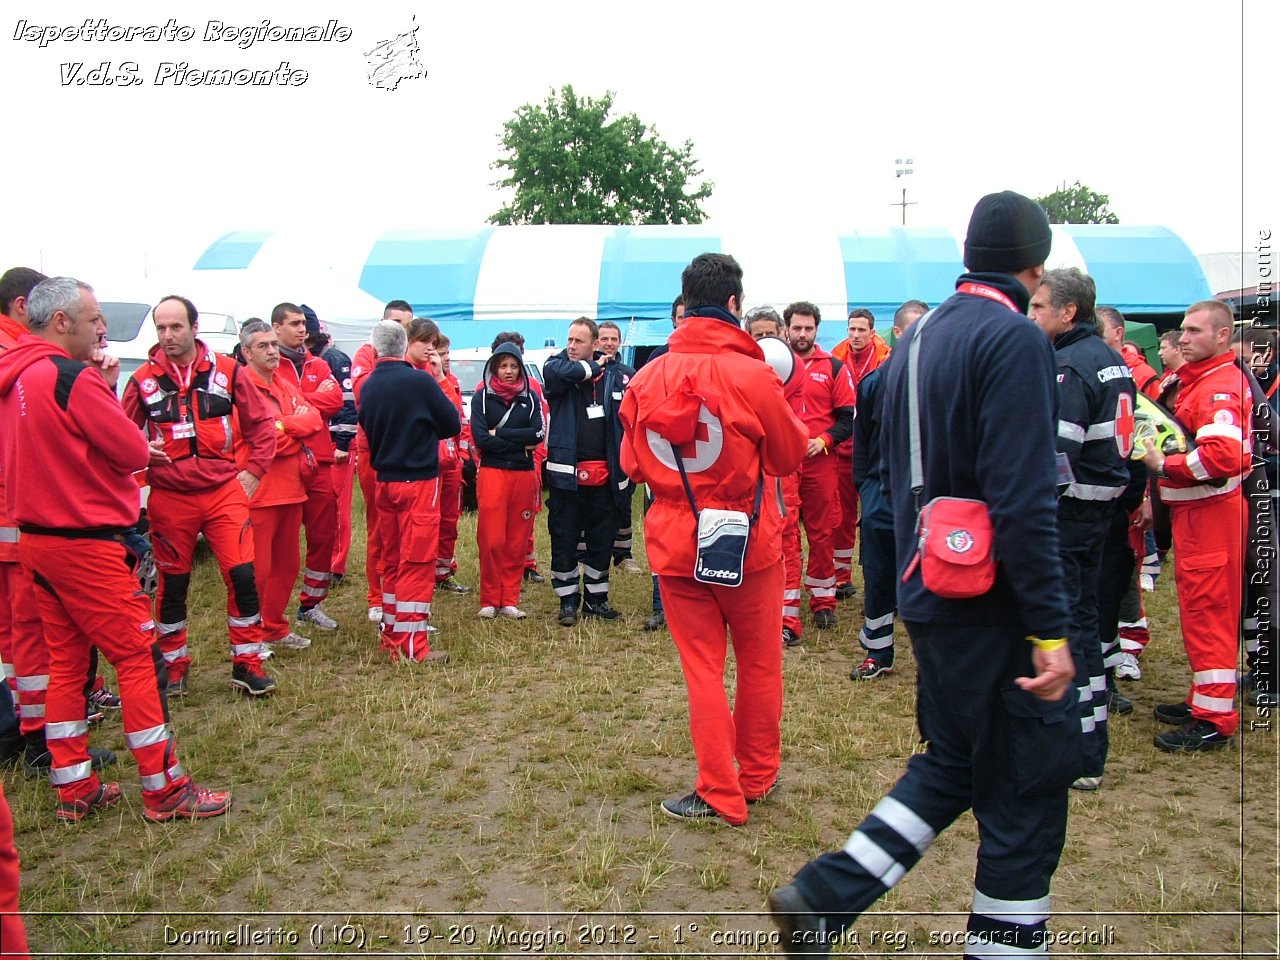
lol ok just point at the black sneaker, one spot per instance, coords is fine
(38, 764)
(804, 933)
(450, 585)
(790, 638)
(1260, 698)
(656, 622)
(1174, 713)
(601, 611)
(871, 668)
(825, 619)
(1117, 702)
(1196, 735)
(251, 680)
(845, 591)
(568, 614)
(533, 576)
(689, 807)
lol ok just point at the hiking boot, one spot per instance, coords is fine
(177, 688)
(790, 638)
(515, 613)
(627, 565)
(871, 668)
(846, 590)
(101, 698)
(825, 619)
(533, 576)
(450, 585)
(291, 641)
(568, 614)
(658, 621)
(1175, 713)
(39, 764)
(191, 802)
(375, 614)
(73, 811)
(1193, 736)
(1117, 702)
(1087, 783)
(804, 933)
(601, 611)
(1127, 667)
(689, 807)
(251, 680)
(317, 618)
(487, 613)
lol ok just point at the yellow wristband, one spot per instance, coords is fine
(1048, 644)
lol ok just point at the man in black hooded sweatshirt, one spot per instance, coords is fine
(995, 701)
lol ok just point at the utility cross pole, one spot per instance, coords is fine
(904, 168)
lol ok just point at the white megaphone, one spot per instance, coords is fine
(778, 354)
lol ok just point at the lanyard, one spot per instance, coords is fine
(991, 293)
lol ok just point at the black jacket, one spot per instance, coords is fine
(405, 415)
(517, 425)
(1096, 402)
(988, 420)
(342, 425)
(570, 387)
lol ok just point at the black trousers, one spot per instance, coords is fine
(589, 513)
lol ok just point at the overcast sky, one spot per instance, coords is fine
(797, 112)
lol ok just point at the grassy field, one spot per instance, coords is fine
(506, 805)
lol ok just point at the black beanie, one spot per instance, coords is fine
(313, 322)
(1007, 233)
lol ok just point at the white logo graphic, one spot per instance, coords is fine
(394, 60)
(708, 441)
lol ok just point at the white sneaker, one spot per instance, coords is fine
(1087, 783)
(515, 613)
(1147, 582)
(488, 613)
(317, 618)
(375, 614)
(293, 641)
(1127, 667)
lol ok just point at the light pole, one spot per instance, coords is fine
(903, 168)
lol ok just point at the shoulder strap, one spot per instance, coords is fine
(913, 408)
(684, 478)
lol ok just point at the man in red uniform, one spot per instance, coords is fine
(361, 366)
(1145, 378)
(713, 405)
(70, 454)
(277, 507)
(828, 413)
(22, 644)
(453, 452)
(861, 353)
(322, 393)
(197, 406)
(1207, 510)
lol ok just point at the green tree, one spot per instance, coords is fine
(1077, 204)
(570, 162)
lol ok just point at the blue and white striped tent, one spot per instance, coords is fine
(538, 278)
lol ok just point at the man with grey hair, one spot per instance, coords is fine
(70, 454)
(1095, 437)
(404, 414)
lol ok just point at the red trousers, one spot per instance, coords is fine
(22, 646)
(450, 510)
(791, 553)
(344, 478)
(372, 529)
(507, 500)
(409, 518)
(88, 598)
(13, 935)
(820, 514)
(275, 570)
(222, 515)
(845, 538)
(750, 733)
(1208, 568)
(320, 517)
